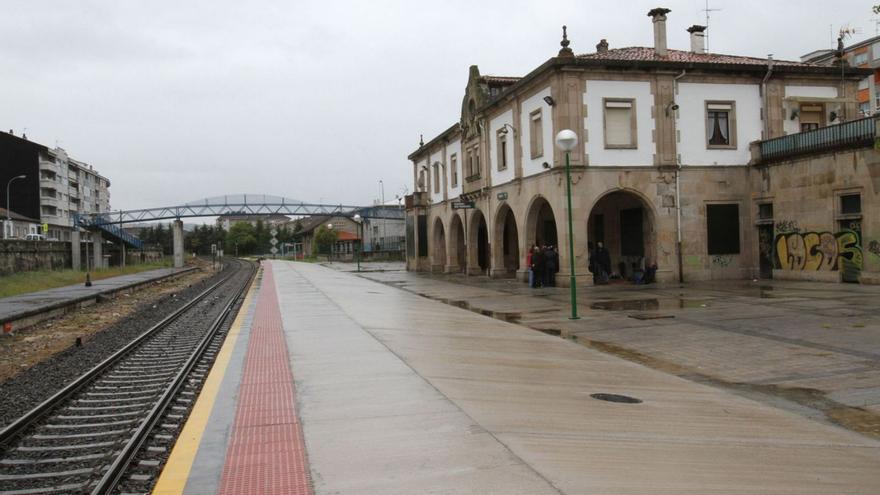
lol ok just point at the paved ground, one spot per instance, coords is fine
(16, 307)
(813, 348)
(401, 394)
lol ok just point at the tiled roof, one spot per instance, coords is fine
(646, 54)
(501, 80)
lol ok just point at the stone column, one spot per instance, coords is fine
(75, 250)
(97, 245)
(177, 231)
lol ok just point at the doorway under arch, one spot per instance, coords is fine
(479, 238)
(507, 235)
(439, 252)
(541, 224)
(624, 222)
(456, 244)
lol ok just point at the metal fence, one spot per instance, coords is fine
(847, 135)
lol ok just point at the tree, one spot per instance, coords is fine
(324, 239)
(241, 235)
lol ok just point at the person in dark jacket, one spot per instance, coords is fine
(591, 262)
(539, 265)
(551, 259)
(603, 262)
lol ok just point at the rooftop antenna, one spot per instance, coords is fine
(707, 10)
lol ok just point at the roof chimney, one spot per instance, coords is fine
(698, 39)
(602, 47)
(659, 18)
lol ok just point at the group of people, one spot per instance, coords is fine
(643, 271)
(543, 263)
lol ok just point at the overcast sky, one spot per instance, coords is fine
(176, 101)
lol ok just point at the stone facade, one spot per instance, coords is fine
(678, 192)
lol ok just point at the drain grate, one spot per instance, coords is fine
(623, 399)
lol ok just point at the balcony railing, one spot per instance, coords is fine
(847, 135)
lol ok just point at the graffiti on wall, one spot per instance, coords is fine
(722, 260)
(787, 226)
(819, 251)
(874, 248)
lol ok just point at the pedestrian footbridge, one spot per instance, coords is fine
(111, 223)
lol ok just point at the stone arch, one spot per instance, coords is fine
(626, 222)
(438, 246)
(478, 243)
(541, 225)
(505, 253)
(456, 245)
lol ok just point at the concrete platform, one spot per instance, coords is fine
(397, 393)
(24, 310)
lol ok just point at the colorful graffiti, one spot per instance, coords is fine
(819, 251)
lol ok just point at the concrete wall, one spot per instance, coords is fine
(26, 256)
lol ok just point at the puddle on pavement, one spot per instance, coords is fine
(652, 304)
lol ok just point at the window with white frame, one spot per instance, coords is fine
(536, 134)
(720, 124)
(620, 123)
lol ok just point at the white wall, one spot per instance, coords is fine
(691, 123)
(506, 175)
(454, 148)
(793, 126)
(595, 145)
(436, 197)
(531, 167)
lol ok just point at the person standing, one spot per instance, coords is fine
(530, 267)
(603, 260)
(539, 264)
(591, 261)
(552, 262)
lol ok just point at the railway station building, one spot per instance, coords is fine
(711, 166)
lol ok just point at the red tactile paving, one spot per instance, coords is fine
(266, 454)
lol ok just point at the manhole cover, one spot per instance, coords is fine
(624, 399)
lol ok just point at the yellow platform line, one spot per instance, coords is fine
(176, 471)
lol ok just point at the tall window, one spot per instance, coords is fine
(620, 123)
(453, 160)
(536, 134)
(436, 178)
(720, 124)
(722, 228)
(502, 150)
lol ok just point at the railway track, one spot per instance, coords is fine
(110, 430)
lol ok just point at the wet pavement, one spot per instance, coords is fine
(455, 392)
(808, 347)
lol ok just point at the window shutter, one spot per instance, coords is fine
(618, 124)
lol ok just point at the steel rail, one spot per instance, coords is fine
(18, 426)
(119, 466)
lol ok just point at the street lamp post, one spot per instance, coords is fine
(332, 246)
(382, 186)
(566, 140)
(357, 251)
(6, 227)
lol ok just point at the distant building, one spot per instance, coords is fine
(19, 225)
(55, 188)
(347, 235)
(864, 55)
(227, 221)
